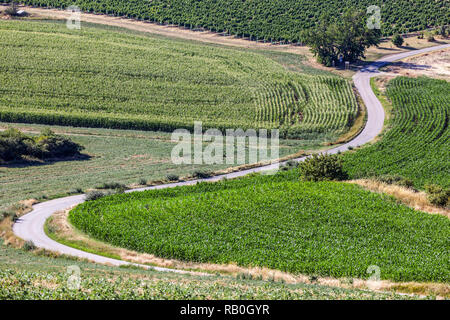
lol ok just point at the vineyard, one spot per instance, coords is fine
(267, 20)
(327, 228)
(150, 83)
(418, 140)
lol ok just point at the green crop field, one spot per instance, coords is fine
(417, 142)
(151, 83)
(329, 228)
(25, 275)
(263, 19)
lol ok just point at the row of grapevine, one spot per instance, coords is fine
(308, 104)
(268, 20)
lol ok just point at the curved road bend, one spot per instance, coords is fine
(31, 225)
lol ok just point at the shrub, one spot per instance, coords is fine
(443, 31)
(14, 145)
(112, 185)
(94, 195)
(397, 40)
(12, 10)
(322, 167)
(292, 163)
(430, 38)
(172, 177)
(438, 195)
(9, 213)
(142, 182)
(199, 174)
(29, 246)
(56, 146)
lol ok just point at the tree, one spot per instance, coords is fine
(347, 36)
(397, 40)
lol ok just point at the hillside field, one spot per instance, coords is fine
(328, 229)
(151, 83)
(27, 276)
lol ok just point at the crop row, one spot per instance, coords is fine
(268, 20)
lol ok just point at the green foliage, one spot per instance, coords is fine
(12, 10)
(112, 185)
(317, 228)
(159, 84)
(437, 195)
(417, 143)
(172, 177)
(110, 150)
(444, 31)
(397, 40)
(95, 194)
(267, 20)
(8, 214)
(202, 174)
(396, 179)
(26, 276)
(322, 167)
(14, 145)
(29, 246)
(348, 37)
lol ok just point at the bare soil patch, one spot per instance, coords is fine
(434, 64)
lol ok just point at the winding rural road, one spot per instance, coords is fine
(31, 225)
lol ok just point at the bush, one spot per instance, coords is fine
(396, 179)
(443, 31)
(292, 163)
(12, 10)
(112, 185)
(97, 194)
(55, 146)
(172, 177)
(76, 191)
(438, 195)
(202, 174)
(397, 40)
(29, 246)
(322, 167)
(142, 182)
(94, 195)
(14, 145)
(430, 38)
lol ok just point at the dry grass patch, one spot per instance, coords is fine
(6, 231)
(413, 199)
